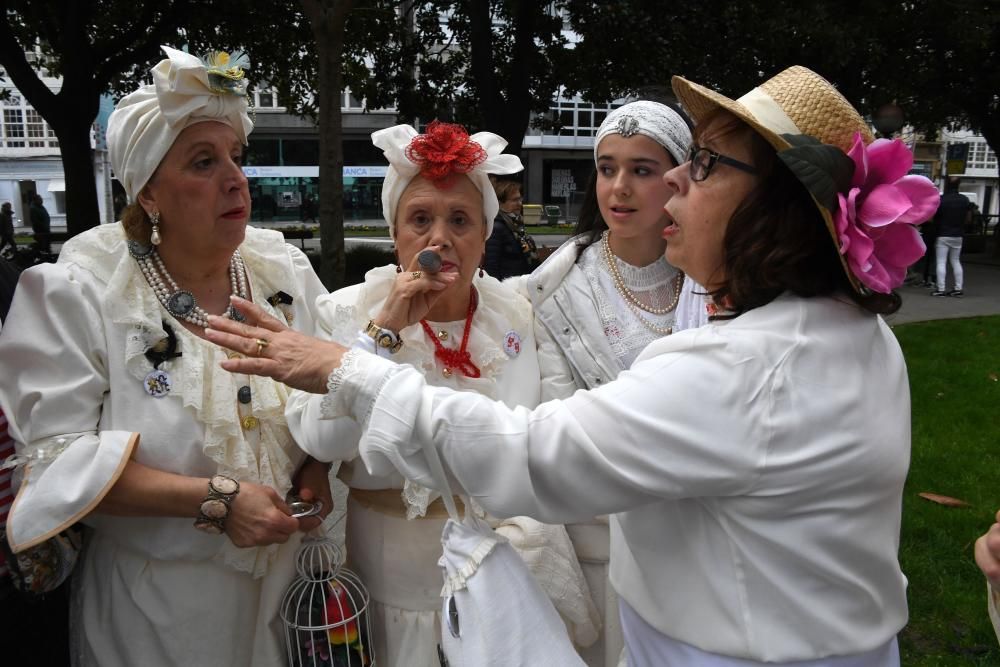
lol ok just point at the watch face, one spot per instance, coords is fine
(224, 484)
(215, 509)
(385, 340)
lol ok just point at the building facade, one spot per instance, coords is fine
(30, 161)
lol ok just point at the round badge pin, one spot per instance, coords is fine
(512, 343)
(157, 383)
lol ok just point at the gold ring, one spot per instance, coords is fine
(261, 344)
(416, 275)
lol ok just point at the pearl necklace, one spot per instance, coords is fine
(631, 300)
(182, 303)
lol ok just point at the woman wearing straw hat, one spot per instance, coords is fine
(754, 467)
(124, 420)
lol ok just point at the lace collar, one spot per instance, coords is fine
(198, 381)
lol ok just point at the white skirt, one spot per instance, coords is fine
(397, 560)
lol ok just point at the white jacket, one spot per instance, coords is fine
(573, 351)
(756, 468)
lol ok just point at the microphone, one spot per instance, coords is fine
(429, 261)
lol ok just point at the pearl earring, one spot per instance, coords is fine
(154, 237)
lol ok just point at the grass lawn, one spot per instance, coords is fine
(953, 366)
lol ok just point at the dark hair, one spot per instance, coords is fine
(777, 240)
(136, 223)
(589, 220)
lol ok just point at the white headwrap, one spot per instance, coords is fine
(650, 119)
(144, 125)
(394, 141)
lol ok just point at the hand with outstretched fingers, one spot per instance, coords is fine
(271, 349)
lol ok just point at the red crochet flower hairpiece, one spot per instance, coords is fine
(444, 151)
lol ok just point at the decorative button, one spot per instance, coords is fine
(566, 330)
(446, 372)
(443, 335)
(249, 423)
(540, 288)
(244, 394)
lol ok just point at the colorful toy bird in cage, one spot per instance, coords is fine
(325, 610)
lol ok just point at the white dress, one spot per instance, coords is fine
(150, 591)
(396, 555)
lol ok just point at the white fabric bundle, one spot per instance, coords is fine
(146, 123)
(650, 119)
(394, 141)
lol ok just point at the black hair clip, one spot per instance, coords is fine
(280, 298)
(165, 349)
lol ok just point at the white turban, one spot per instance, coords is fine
(185, 91)
(650, 119)
(395, 140)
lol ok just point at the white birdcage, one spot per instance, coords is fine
(325, 610)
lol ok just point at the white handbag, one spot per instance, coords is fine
(494, 613)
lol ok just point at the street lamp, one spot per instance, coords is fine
(888, 119)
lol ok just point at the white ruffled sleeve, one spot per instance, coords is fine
(53, 358)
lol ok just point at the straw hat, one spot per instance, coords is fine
(795, 102)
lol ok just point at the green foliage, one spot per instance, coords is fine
(953, 367)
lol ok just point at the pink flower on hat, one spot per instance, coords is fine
(875, 220)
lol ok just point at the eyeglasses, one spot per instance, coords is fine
(703, 160)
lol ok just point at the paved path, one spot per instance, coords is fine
(982, 297)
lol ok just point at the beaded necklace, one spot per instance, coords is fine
(631, 300)
(456, 359)
(182, 303)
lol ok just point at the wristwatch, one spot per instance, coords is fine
(214, 509)
(384, 338)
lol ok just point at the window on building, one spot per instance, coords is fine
(36, 129)
(981, 156)
(265, 100)
(13, 128)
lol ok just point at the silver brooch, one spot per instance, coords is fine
(627, 126)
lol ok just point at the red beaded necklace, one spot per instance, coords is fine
(456, 359)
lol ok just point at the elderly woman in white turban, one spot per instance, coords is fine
(477, 337)
(124, 420)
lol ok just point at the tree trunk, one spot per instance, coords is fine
(507, 117)
(327, 18)
(82, 210)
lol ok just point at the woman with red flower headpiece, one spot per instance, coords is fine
(474, 335)
(753, 467)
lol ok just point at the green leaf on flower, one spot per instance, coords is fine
(825, 170)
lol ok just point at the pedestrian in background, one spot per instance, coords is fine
(953, 215)
(510, 250)
(7, 227)
(40, 224)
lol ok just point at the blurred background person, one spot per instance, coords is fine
(510, 250)
(954, 214)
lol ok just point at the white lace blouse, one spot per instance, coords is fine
(653, 285)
